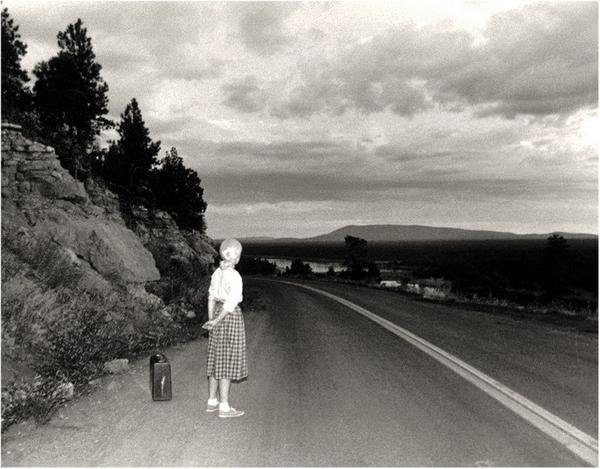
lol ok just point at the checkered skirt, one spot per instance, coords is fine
(227, 347)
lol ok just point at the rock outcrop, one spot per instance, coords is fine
(145, 251)
(183, 257)
(40, 198)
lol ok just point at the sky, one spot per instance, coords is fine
(301, 118)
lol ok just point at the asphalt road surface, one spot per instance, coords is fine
(328, 387)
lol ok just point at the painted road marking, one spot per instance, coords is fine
(578, 442)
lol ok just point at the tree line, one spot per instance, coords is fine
(66, 108)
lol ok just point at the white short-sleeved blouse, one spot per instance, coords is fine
(226, 285)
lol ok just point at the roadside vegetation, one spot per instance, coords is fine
(57, 332)
(555, 275)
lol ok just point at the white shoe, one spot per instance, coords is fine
(231, 413)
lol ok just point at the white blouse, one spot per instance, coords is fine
(226, 285)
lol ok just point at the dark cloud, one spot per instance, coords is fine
(289, 187)
(335, 90)
(262, 25)
(383, 72)
(245, 95)
(539, 60)
(429, 186)
(399, 153)
(283, 150)
(251, 157)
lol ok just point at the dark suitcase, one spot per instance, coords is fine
(160, 377)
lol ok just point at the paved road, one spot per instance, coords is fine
(555, 366)
(327, 388)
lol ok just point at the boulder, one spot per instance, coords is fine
(109, 247)
(119, 365)
(66, 391)
(51, 187)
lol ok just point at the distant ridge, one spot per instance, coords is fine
(419, 233)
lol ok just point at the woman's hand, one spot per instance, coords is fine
(208, 325)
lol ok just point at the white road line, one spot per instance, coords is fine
(577, 441)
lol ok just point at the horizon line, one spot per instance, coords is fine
(526, 233)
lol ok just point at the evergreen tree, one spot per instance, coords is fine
(114, 167)
(357, 256)
(15, 96)
(71, 98)
(130, 160)
(178, 190)
(373, 272)
(299, 269)
(556, 263)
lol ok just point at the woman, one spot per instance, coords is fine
(227, 337)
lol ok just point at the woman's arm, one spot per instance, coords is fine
(211, 307)
(211, 302)
(220, 316)
(213, 321)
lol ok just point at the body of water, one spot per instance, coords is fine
(319, 267)
(322, 267)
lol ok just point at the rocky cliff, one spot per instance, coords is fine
(116, 248)
(40, 198)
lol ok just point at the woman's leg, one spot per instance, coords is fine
(212, 388)
(224, 393)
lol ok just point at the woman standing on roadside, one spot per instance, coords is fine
(227, 337)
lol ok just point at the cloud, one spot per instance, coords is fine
(272, 208)
(203, 68)
(250, 159)
(316, 34)
(539, 60)
(402, 153)
(262, 25)
(289, 150)
(245, 95)
(427, 187)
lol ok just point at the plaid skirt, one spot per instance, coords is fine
(227, 347)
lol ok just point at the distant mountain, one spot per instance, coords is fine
(420, 233)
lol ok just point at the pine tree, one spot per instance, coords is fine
(71, 98)
(136, 146)
(15, 96)
(357, 256)
(177, 190)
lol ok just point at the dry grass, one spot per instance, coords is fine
(63, 332)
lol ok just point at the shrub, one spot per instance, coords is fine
(38, 399)
(253, 266)
(79, 337)
(433, 293)
(51, 263)
(64, 333)
(156, 332)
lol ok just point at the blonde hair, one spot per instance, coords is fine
(230, 251)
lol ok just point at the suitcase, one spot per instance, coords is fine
(160, 377)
